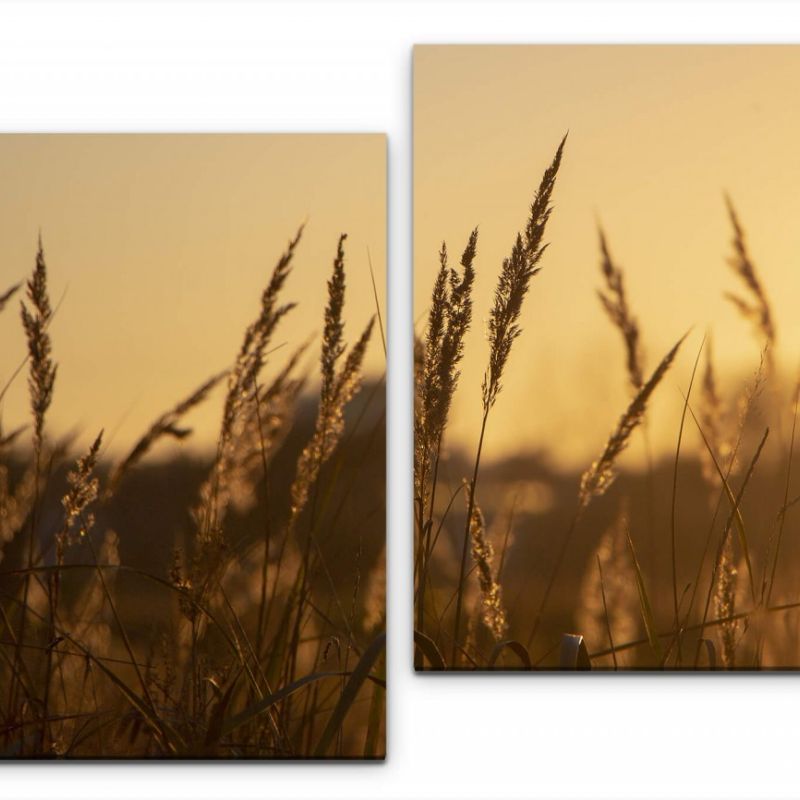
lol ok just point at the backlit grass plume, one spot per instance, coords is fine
(445, 348)
(436, 374)
(266, 423)
(339, 385)
(725, 602)
(755, 306)
(83, 490)
(515, 276)
(615, 303)
(35, 321)
(242, 383)
(492, 612)
(448, 321)
(597, 479)
(41, 379)
(503, 329)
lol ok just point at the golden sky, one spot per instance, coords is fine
(161, 245)
(657, 134)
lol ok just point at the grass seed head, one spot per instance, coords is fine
(492, 612)
(514, 280)
(35, 321)
(339, 385)
(615, 303)
(599, 477)
(754, 306)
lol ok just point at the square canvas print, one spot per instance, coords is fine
(606, 472)
(192, 456)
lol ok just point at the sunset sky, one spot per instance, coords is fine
(160, 247)
(656, 136)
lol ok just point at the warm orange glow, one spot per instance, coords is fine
(657, 135)
(160, 247)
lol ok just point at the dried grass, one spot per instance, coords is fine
(617, 592)
(599, 477)
(615, 303)
(754, 305)
(80, 678)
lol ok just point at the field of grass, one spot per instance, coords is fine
(231, 607)
(686, 563)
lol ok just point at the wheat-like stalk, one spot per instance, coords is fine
(444, 374)
(265, 424)
(337, 389)
(756, 308)
(250, 359)
(725, 602)
(439, 358)
(41, 379)
(329, 425)
(242, 382)
(514, 280)
(333, 332)
(503, 329)
(615, 303)
(339, 386)
(597, 479)
(493, 613)
(83, 490)
(35, 321)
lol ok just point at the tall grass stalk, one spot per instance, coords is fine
(512, 287)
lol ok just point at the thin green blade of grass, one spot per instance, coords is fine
(217, 717)
(429, 649)
(644, 603)
(606, 618)
(674, 503)
(734, 503)
(377, 303)
(252, 712)
(169, 737)
(711, 651)
(782, 515)
(348, 696)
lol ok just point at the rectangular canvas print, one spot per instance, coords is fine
(192, 459)
(606, 469)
